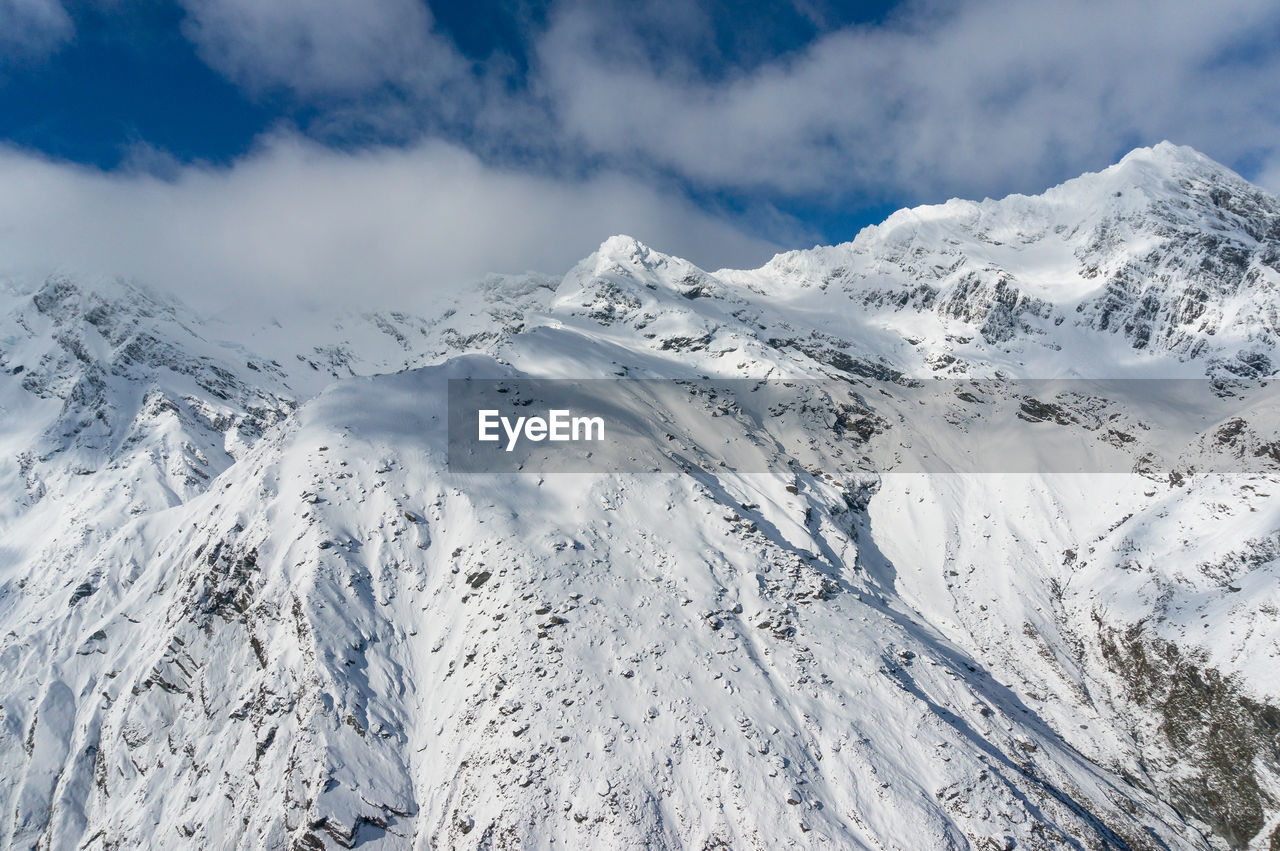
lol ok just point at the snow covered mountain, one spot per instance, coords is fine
(245, 603)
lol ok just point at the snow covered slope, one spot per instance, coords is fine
(244, 603)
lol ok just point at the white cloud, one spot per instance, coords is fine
(31, 29)
(980, 97)
(339, 47)
(296, 222)
(1269, 175)
(986, 97)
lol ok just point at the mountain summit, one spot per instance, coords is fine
(244, 602)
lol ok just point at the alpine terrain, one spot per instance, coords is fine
(245, 603)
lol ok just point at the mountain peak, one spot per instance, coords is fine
(1160, 169)
(1168, 160)
(627, 251)
(621, 242)
(1165, 151)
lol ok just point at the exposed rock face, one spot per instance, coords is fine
(245, 603)
(1223, 745)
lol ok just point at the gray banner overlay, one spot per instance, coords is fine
(1165, 428)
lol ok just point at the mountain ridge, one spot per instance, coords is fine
(320, 636)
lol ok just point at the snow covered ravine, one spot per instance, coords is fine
(244, 602)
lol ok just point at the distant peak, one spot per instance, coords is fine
(1170, 159)
(621, 245)
(623, 250)
(1164, 150)
(1167, 153)
(80, 292)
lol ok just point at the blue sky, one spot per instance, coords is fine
(428, 143)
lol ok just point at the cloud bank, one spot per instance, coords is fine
(938, 99)
(972, 98)
(302, 223)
